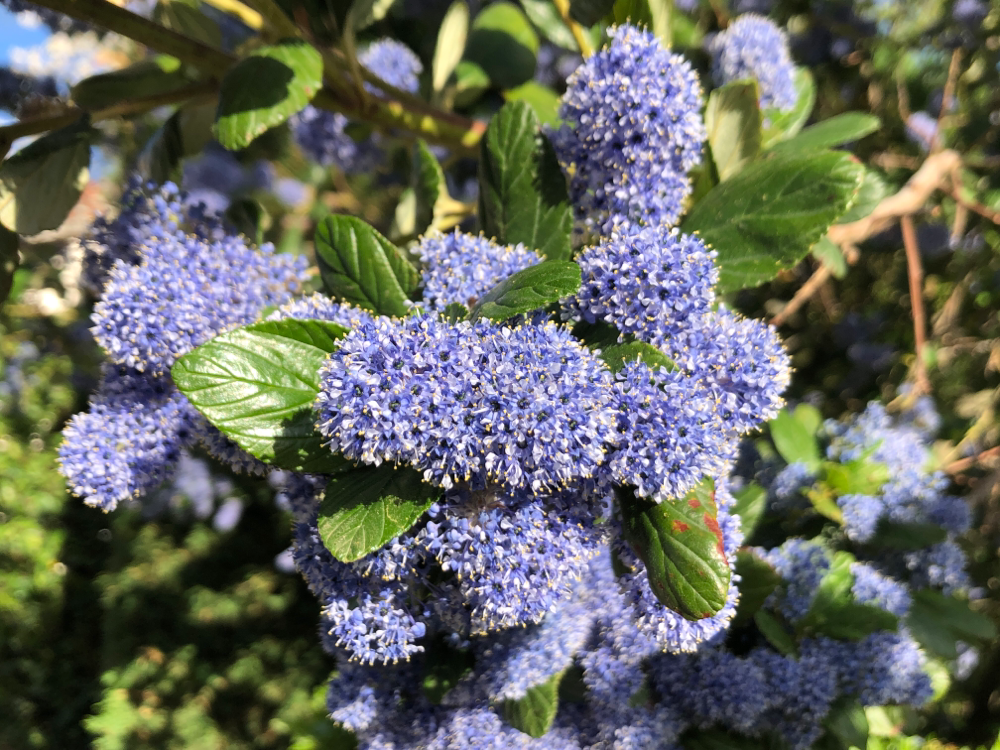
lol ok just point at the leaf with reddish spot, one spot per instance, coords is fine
(681, 545)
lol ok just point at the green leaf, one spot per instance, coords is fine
(908, 536)
(471, 82)
(831, 256)
(794, 441)
(682, 547)
(185, 133)
(185, 17)
(873, 189)
(504, 44)
(617, 356)
(767, 217)
(751, 502)
(362, 267)
(9, 259)
(653, 15)
(596, 335)
(429, 187)
(732, 119)
(545, 17)
(247, 216)
(366, 12)
(257, 385)
(522, 191)
(530, 289)
(809, 417)
(41, 183)
(775, 633)
(543, 100)
(938, 622)
(861, 476)
(834, 611)
(780, 125)
(758, 580)
(368, 507)
(846, 725)
(265, 89)
(534, 713)
(144, 78)
(850, 126)
(450, 44)
(589, 12)
(445, 666)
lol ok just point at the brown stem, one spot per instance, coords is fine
(949, 93)
(807, 290)
(915, 275)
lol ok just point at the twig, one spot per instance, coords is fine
(582, 41)
(967, 463)
(807, 290)
(931, 176)
(979, 208)
(915, 274)
(949, 93)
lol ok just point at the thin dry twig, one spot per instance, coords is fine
(949, 93)
(963, 464)
(915, 274)
(807, 290)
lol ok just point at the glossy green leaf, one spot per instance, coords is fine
(767, 217)
(751, 502)
(617, 356)
(938, 622)
(365, 508)
(451, 40)
(777, 125)
(861, 476)
(360, 266)
(429, 187)
(758, 579)
(265, 89)
(732, 119)
(257, 385)
(543, 100)
(471, 82)
(830, 256)
(681, 545)
(545, 17)
(185, 133)
(794, 442)
(850, 126)
(590, 12)
(597, 335)
(144, 78)
(9, 259)
(534, 713)
(185, 17)
(775, 633)
(41, 183)
(908, 536)
(834, 611)
(504, 44)
(873, 190)
(522, 191)
(530, 289)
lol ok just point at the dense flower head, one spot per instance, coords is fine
(186, 290)
(147, 213)
(459, 268)
(871, 587)
(323, 135)
(754, 47)
(648, 281)
(632, 130)
(318, 306)
(802, 564)
(129, 439)
(522, 407)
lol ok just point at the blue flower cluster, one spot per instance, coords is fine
(323, 135)
(754, 47)
(459, 268)
(163, 292)
(632, 129)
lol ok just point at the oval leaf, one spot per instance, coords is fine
(265, 89)
(850, 126)
(617, 356)
(794, 441)
(144, 78)
(257, 385)
(528, 290)
(767, 217)
(834, 611)
(429, 187)
(504, 44)
(362, 267)
(758, 579)
(522, 191)
(534, 713)
(732, 118)
(41, 183)
(681, 545)
(450, 44)
(780, 125)
(368, 507)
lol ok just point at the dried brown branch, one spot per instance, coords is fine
(949, 94)
(915, 274)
